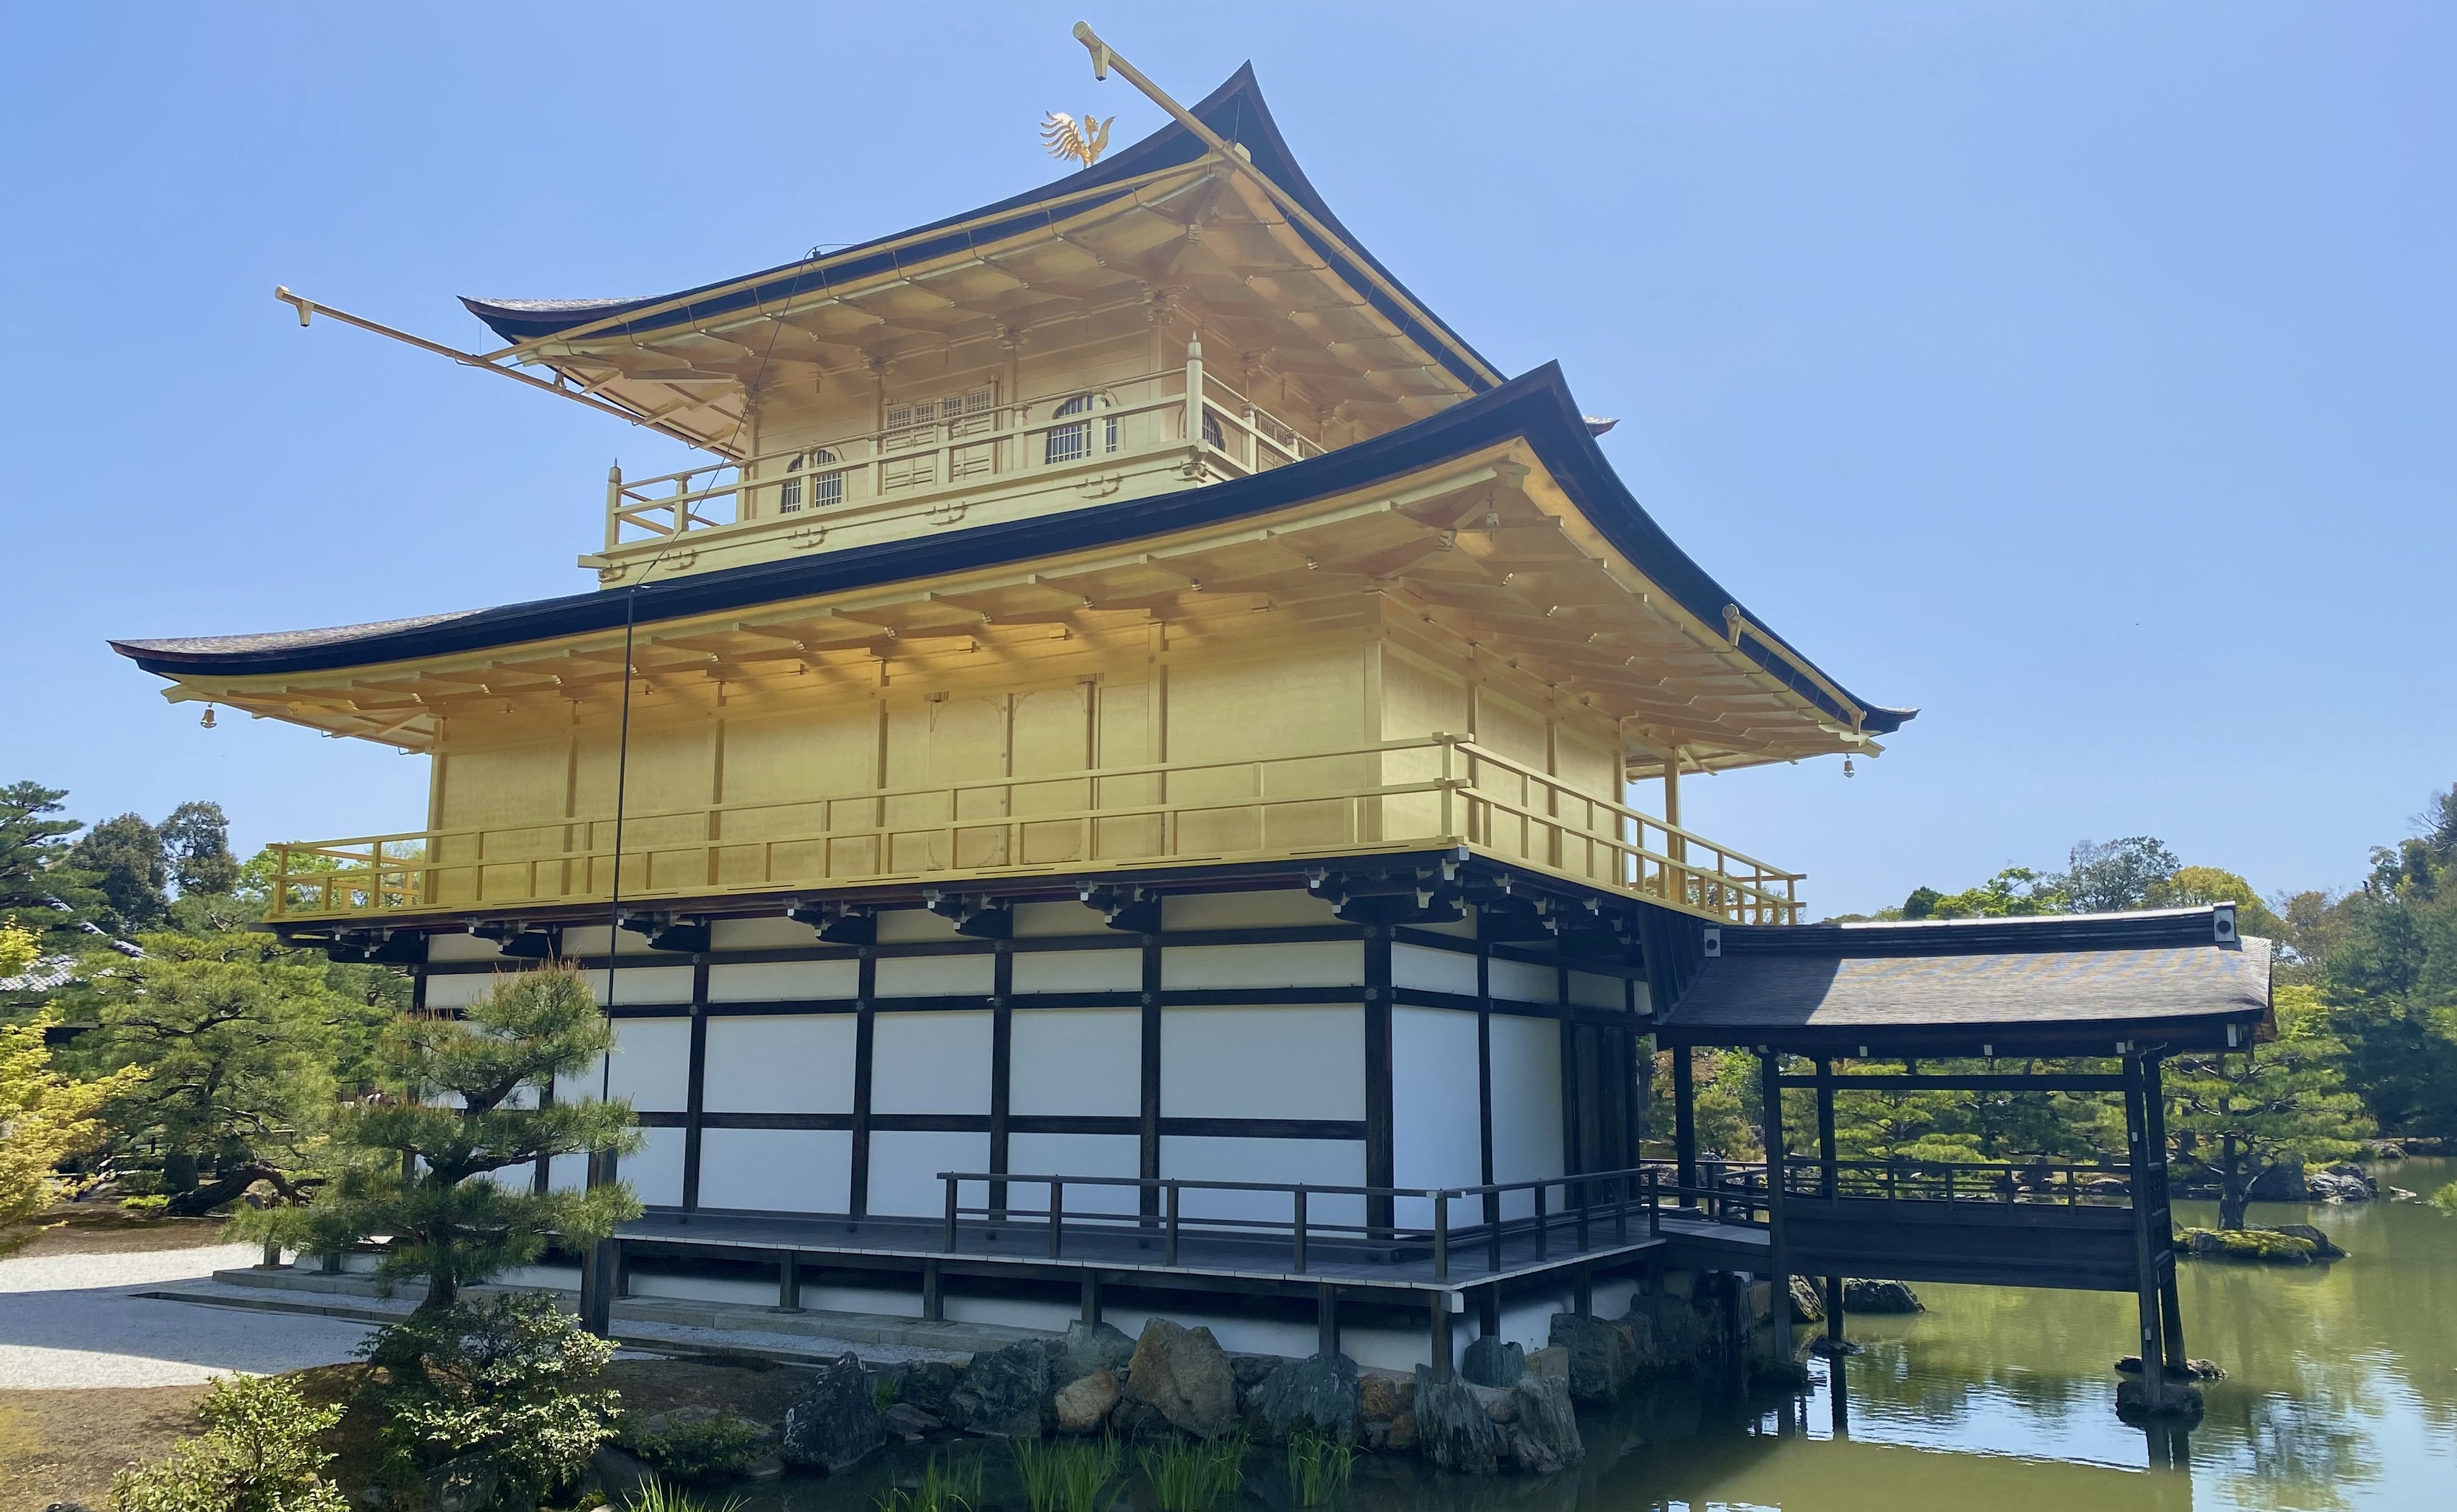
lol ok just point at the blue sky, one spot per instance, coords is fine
(2079, 373)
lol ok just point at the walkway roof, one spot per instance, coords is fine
(2067, 985)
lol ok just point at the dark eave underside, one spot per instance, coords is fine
(1537, 406)
(1234, 111)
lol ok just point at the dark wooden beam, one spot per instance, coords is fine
(1875, 1082)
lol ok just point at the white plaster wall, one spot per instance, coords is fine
(462, 947)
(899, 927)
(776, 932)
(783, 981)
(1591, 990)
(637, 985)
(1076, 1155)
(904, 1168)
(931, 1063)
(652, 1063)
(461, 989)
(656, 1172)
(1526, 1105)
(1431, 970)
(798, 1063)
(779, 1169)
(1203, 1158)
(1076, 1061)
(1301, 1062)
(1527, 1321)
(1522, 983)
(589, 940)
(1078, 970)
(1436, 1137)
(1042, 920)
(1279, 907)
(1320, 963)
(936, 976)
(1646, 998)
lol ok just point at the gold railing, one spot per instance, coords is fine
(1430, 791)
(960, 446)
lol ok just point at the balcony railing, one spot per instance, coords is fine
(1427, 793)
(961, 444)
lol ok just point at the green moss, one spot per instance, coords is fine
(2259, 1245)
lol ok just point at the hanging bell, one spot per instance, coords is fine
(208, 720)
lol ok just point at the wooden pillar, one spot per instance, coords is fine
(1438, 1332)
(1778, 1261)
(865, 1036)
(695, 1093)
(1326, 1319)
(1091, 1297)
(1002, 1070)
(2145, 1269)
(1492, 1213)
(601, 1264)
(2161, 1219)
(1380, 1153)
(1828, 1167)
(1684, 1116)
(789, 1282)
(1148, 1161)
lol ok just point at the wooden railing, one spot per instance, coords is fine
(2068, 1184)
(1431, 792)
(959, 449)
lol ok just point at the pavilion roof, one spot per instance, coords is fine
(2063, 985)
(1525, 587)
(1148, 217)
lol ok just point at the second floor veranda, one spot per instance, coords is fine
(1431, 793)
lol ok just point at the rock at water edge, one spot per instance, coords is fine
(931, 1386)
(1183, 1374)
(1083, 1404)
(1600, 1366)
(1002, 1392)
(1494, 1362)
(1879, 1296)
(1319, 1394)
(1544, 1438)
(2322, 1247)
(837, 1419)
(1091, 1347)
(1453, 1428)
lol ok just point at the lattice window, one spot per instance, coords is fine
(1074, 443)
(825, 489)
(929, 423)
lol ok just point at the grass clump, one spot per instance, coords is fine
(1188, 1475)
(954, 1486)
(1320, 1466)
(2260, 1245)
(718, 1445)
(1067, 1476)
(257, 1454)
(654, 1495)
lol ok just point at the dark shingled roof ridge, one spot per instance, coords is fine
(1537, 406)
(1234, 111)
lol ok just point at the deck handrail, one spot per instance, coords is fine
(1177, 398)
(1544, 825)
(1584, 1206)
(2039, 1180)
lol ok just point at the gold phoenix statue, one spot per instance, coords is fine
(1064, 139)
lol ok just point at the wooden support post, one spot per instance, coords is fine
(934, 1303)
(788, 1283)
(1778, 1261)
(1834, 1313)
(1438, 1334)
(1326, 1318)
(1091, 1298)
(2161, 1217)
(1488, 1310)
(2145, 1275)
(601, 1264)
(1583, 1293)
(1684, 1120)
(1828, 1167)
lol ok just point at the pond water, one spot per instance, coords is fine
(2340, 1393)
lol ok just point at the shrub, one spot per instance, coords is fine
(503, 1378)
(655, 1496)
(2248, 1244)
(257, 1454)
(717, 1445)
(144, 1206)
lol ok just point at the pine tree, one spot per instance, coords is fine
(38, 886)
(2237, 1115)
(420, 1165)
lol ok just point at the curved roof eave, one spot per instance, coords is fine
(1235, 111)
(1535, 406)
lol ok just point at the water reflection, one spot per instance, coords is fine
(2342, 1394)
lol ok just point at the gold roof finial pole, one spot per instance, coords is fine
(1104, 58)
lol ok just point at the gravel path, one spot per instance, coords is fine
(71, 1321)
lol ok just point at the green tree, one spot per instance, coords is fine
(36, 883)
(236, 1035)
(125, 855)
(2237, 1115)
(44, 1117)
(2015, 892)
(2388, 965)
(2197, 886)
(2116, 876)
(420, 1163)
(196, 848)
